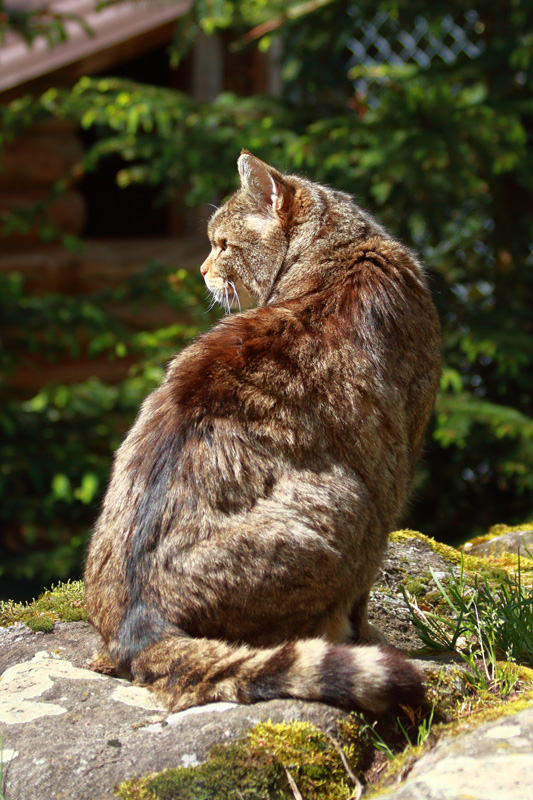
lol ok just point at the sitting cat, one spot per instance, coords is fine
(250, 503)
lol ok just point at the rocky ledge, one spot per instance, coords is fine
(70, 732)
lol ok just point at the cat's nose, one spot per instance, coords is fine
(204, 269)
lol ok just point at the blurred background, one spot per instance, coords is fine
(121, 122)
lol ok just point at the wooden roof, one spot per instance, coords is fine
(120, 32)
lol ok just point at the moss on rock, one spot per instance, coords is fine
(504, 541)
(263, 766)
(64, 602)
(500, 530)
(491, 567)
(42, 623)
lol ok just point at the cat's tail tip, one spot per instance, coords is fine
(373, 678)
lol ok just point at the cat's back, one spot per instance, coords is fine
(362, 312)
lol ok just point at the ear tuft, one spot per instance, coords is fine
(262, 182)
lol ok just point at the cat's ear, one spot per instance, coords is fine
(263, 183)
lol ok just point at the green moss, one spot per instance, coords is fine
(64, 602)
(417, 586)
(310, 755)
(43, 623)
(232, 770)
(256, 768)
(135, 789)
(447, 552)
(486, 565)
(500, 528)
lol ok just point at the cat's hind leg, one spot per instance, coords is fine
(362, 631)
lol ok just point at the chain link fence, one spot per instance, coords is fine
(383, 42)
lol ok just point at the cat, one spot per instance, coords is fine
(250, 504)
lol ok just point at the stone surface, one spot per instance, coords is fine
(71, 733)
(511, 542)
(493, 762)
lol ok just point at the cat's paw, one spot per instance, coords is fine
(371, 635)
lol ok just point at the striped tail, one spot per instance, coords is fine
(186, 672)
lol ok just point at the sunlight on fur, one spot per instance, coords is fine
(249, 505)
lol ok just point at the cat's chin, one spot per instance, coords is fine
(225, 295)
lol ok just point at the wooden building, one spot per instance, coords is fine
(129, 40)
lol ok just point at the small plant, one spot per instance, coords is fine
(63, 602)
(393, 736)
(486, 624)
(422, 727)
(377, 740)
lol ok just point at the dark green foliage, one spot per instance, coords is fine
(56, 447)
(444, 159)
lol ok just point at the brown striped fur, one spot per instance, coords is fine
(250, 504)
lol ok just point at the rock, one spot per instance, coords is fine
(408, 561)
(511, 542)
(493, 762)
(71, 733)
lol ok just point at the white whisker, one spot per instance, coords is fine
(211, 296)
(235, 297)
(221, 296)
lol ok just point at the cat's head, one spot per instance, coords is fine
(248, 234)
(264, 235)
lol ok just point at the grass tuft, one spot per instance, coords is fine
(485, 623)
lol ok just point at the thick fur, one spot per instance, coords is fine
(250, 504)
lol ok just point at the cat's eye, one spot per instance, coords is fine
(222, 243)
